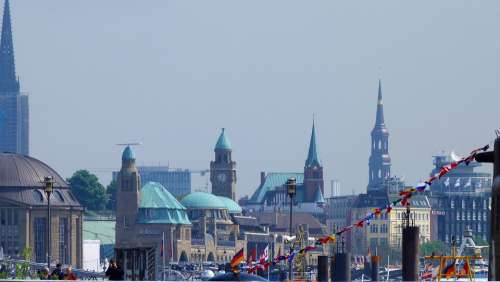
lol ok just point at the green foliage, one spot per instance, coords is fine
(87, 189)
(111, 193)
(436, 247)
(4, 275)
(23, 268)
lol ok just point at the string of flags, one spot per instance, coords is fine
(403, 200)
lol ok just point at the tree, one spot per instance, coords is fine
(436, 247)
(87, 189)
(111, 193)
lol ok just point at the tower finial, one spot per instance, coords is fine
(380, 106)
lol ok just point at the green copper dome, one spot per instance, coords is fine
(157, 205)
(231, 205)
(202, 200)
(128, 154)
(223, 142)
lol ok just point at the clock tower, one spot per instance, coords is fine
(223, 169)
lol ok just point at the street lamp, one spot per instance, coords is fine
(48, 183)
(291, 190)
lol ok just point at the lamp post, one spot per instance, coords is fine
(291, 189)
(48, 183)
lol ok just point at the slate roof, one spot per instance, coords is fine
(274, 180)
(280, 222)
(23, 171)
(20, 183)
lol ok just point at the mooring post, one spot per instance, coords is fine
(322, 269)
(410, 248)
(375, 263)
(494, 259)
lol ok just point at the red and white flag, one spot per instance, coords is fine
(265, 255)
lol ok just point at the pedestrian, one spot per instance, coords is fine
(69, 275)
(114, 271)
(57, 273)
(44, 274)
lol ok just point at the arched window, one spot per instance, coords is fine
(59, 196)
(37, 196)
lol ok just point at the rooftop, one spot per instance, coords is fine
(223, 142)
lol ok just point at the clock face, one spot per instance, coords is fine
(221, 177)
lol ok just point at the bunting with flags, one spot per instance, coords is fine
(403, 200)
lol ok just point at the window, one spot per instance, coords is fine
(40, 230)
(63, 240)
(37, 196)
(452, 204)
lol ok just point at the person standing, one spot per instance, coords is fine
(114, 271)
(69, 275)
(57, 273)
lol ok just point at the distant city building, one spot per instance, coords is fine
(23, 212)
(223, 169)
(385, 232)
(14, 110)
(459, 200)
(150, 223)
(177, 181)
(338, 211)
(271, 195)
(380, 162)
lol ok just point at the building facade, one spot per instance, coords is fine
(14, 110)
(223, 169)
(271, 195)
(215, 236)
(461, 200)
(379, 164)
(151, 225)
(384, 233)
(177, 181)
(23, 212)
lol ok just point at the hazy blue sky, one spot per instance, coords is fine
(172, 73)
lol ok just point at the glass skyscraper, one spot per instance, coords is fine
(14, 108)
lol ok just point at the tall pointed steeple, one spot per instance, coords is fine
(312, 156)
(379, 121)
(8, 79)
(379, 165)
(313, 171)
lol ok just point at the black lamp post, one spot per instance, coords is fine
(291, 190)
(48, 182)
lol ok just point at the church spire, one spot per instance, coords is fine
(8, 80)
(379, 121)
(312, 156)
(380, 162)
